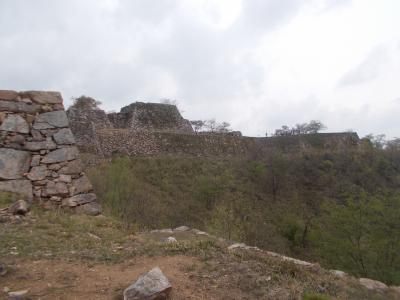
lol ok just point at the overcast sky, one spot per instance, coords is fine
(257, 64)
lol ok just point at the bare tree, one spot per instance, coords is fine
(84, 102)
(314, 126)
(197, 125)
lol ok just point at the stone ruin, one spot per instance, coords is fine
(137, 116)
(159, 129)
(38, 156)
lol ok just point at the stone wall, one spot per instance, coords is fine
(159, 129)
(141, 116)
(133, 143)
(38, 156)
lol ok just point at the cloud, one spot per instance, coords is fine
(229, 59)
(368, 70)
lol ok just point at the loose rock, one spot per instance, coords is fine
(18, 295)
(151, 286)
(20, 207)
(372, 284)
(182, 228)
(91, 209)
(3, 270)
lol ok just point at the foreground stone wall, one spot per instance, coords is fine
(38, 156)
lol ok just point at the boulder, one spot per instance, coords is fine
(22, 187)
(20, 207)
(92, 209)
(18, 107)
(13, 163)
(372, 284)
(38, 173)
(15, 123)
(64, 137)
(151, 286)
(60, 155)
(54, 119)
(79, 200)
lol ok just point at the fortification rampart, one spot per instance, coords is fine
(159, 129)
(38, 155)
(132, 143)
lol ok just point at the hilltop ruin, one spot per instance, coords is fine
(156, 128)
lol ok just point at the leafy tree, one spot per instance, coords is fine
(362, 236)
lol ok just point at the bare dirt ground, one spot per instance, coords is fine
(55, 256)
(60, 280)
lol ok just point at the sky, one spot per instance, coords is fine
(257, 64)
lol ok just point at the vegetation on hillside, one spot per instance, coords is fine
(339, 208)
(57, 255)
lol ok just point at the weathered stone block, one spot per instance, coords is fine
(92, 209)
(38, 173)
(56, 188)
(13, 163)
(48, 144)
(60, 155)
(8, 95)
(35, 160)
(18, 107)
(65, 178)
(54, 119)
(22, 187)
(17, 139)
(81, 185)
(72, 167)
(44, 97)
(15, 123)
(79, 200)
(64, 137)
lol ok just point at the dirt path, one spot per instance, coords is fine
(61, 280)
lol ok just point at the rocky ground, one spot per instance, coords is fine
(54, 255)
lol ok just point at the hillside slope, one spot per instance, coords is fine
(338, 208)
(61, 256)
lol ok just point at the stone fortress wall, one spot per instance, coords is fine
(38, 155)
(159, 129)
